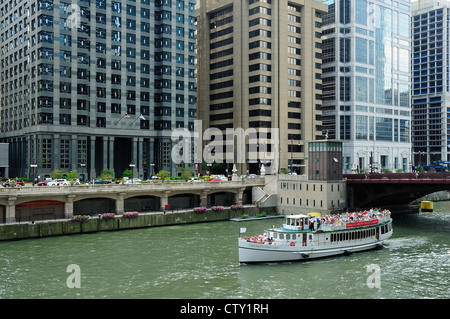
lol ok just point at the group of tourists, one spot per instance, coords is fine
(314, 223)
(260, 239)
(342, 219)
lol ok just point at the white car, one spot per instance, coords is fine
(133, 181)
(58, 182)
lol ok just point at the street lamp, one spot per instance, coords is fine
(132, 168)
(152, 170)
(82, 165)
(33, 166)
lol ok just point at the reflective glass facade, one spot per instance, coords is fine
(366, 82)
(430, 87)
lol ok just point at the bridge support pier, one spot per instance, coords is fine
(164, 200)
(68, 206)
(120, 203)
(204, 198)
(238, 196)
(11, 210)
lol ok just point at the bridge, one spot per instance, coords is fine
(45, 202)
(393, 191)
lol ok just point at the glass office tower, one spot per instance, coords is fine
(366, 82)
(90, 85)
(430, 74)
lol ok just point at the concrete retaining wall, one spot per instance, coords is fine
(94, 224)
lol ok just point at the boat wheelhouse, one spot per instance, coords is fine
(306, 237)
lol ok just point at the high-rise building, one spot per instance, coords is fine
(90, 85)
(259, 66)
(366, 82)
(430, 81)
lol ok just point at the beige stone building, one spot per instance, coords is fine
(297, 194)
(259, 66)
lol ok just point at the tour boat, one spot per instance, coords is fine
(305, 237)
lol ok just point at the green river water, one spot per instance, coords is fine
(201, 261)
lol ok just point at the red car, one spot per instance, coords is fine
(18, 182)
(42, 183)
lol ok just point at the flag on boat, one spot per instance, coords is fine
(243, 230)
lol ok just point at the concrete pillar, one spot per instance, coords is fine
(134, 152)
(238, 195)
(92, 173)
(120, 203)
(68, 206)
(105, 153)
(140, 163)
(204, 198)
(111, 155)
(11, 210)
(151, 158)
(56, 152)
(164, 200)
(74, 154)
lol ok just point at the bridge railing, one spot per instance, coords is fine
(137, 186)
(417, 175)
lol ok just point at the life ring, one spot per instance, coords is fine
(292, 243)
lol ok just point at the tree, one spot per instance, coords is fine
(186, 173)
(106, 175)
(57, 174)
(72, 176)
(128, 173)
(163, 175)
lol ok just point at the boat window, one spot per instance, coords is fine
(294, 236)
(288, 236)
(340, 237)
(281, 236)
(353, 235)
(275, 235)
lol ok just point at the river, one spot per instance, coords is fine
(201, 261)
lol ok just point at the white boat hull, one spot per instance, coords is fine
(250, 252)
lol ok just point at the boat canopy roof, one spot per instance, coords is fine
(298, 216)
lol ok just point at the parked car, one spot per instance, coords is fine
(101, 181)
(58, 182)
(17, 182)
(133, 181)
(43, 183)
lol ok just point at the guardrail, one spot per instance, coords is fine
(408, 176)
(157, 185)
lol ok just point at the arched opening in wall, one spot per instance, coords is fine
(92, 206)
(142, 204)
(2, 214)
(39, 210)
(247, 196)
(221, 199)
(184, 201)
